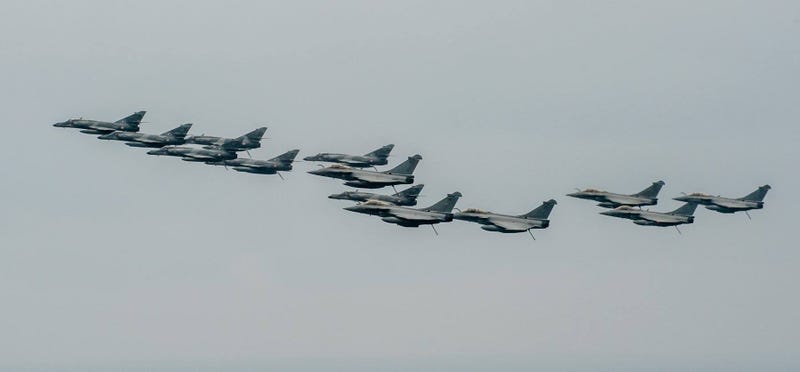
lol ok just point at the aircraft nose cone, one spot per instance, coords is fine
(59, 125)
(681, 198)
(154, 152)
(574, 194)
(317, 172)
(607, 213)
(309, 158)
(354, 208)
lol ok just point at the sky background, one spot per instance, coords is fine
(114, 260)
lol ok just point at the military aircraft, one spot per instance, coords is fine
(194, 154)
(535, 219)
(127, 124)
(410, 217)
(754, 200)
(245, 142)
(401, 174)
(680, 216)
(134, 139)
(272, 166)
(406, 198)
(377, 157)
(648, 196)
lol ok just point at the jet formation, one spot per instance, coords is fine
(396, 208)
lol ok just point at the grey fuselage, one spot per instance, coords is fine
(134, 139)
(193, 154)
(355, 161)
(230, 144)
(649, 218)
(96, 127)
(359, 196)
(496, 222)
(402, 216)
(612, 200)
(363, 178)
(722, 204)
(256, 166)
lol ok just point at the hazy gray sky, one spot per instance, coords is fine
(114, 260)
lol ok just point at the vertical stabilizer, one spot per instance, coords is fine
(406, 167)
(652, 191)
(445, 205)
(542, 212)
(757, 195)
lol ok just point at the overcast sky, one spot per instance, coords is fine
(115, 260)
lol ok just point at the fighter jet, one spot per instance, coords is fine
(648, 196)
(134, 139)
(680, 216)
(410, 217)
(406, 198)
(272, 166)
(377, 157)
(194, 154)
(401, 174)
(535, 219)
(127, 124)
(245, 142)
(754, 200)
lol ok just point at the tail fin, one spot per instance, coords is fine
(652, 191)
(406, 167)
(757, 195)
(542, 212)
(445, 205)
(178, 132)
(382, 152)
(133, 119)
(411, 192)
(287, 157)
(255, 135)
(686, 209)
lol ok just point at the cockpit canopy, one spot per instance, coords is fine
(698, 194)
(624, 208)
(593, 190)
(375, 202)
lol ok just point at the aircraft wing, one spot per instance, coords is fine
(619, 199)
(657, 217)
(408, 215)
(369, 177)
(727, 203)
(147, 140)
(509, 225)
(199, 156)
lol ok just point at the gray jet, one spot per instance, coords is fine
(754, 200)
(377, 157)
(399, 175)
(406, 198)
(127, 124)
(245, 142)
(648, 196)
(272, 166)
(194, 154)
(134, 139)
(410, 217)
(680, 216)
(535, 219)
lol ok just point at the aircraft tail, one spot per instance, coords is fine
(255, 135)
(406, 167)
(445, 205)
(541, 212)
(287, 157)
(134, 119)
(411, 192)
(382, 152)
(179, 132)
(686, 209)
(757, 195)
(652, 191)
